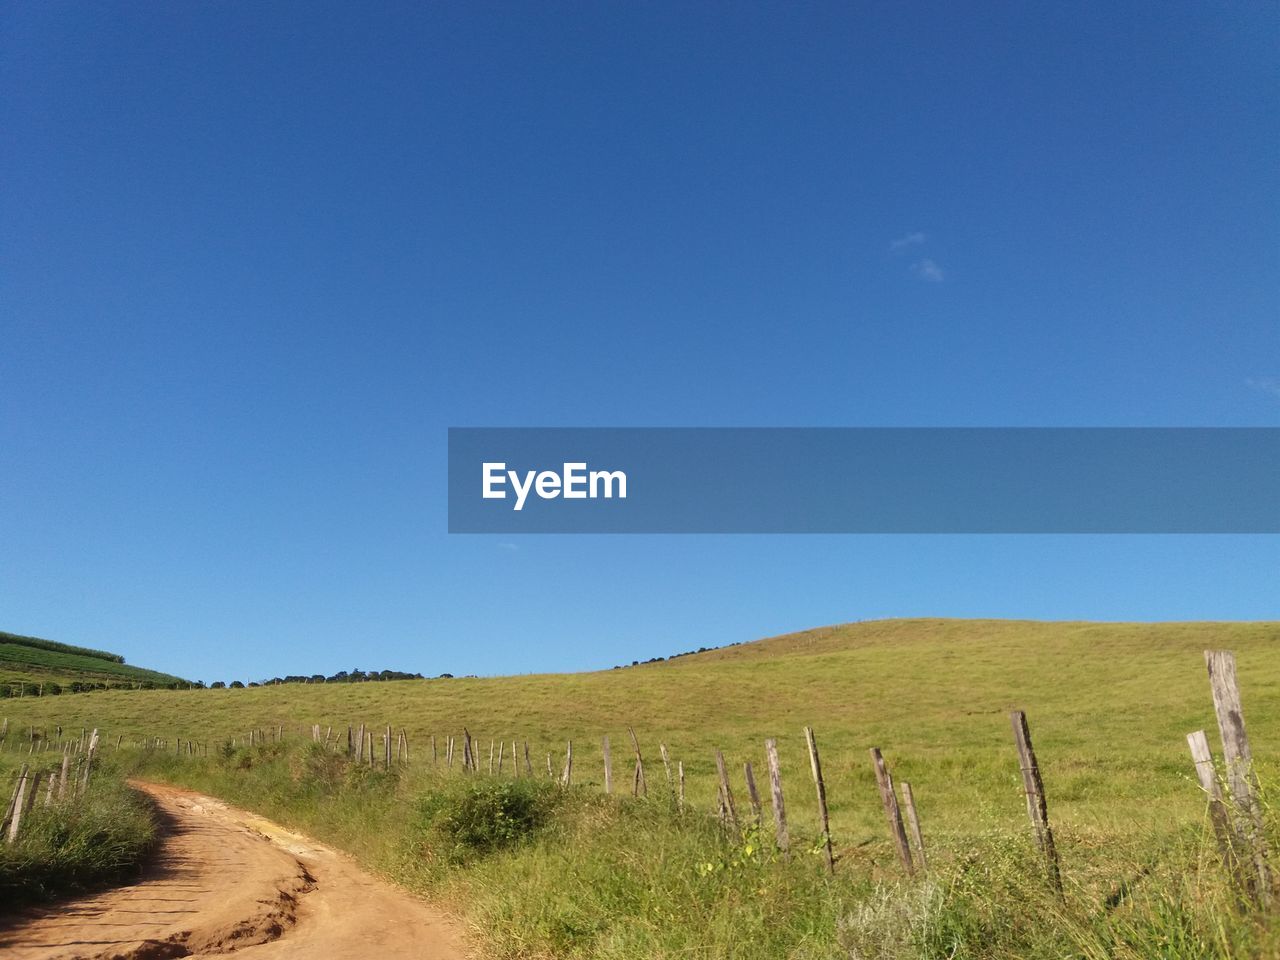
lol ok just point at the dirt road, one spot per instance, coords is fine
(225, 880)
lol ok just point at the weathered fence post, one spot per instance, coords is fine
(680, 794)
(608, 765)
(1033, 787)
(90, 755)
(468, 755)
(360, 745)
(889, 800)
(638, 786)
(18, 803)
(752, 793)
(1207, 774)
(913, 818)
(775, 794)
(566, 778)
(528, 764)
(502, 750)
(65, 772)
(666, 762)
(1242, 780)
(823, 820)
(729, 810)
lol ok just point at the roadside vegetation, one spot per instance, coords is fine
(537, 870)
(70, 846)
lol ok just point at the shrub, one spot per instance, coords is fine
(487, 815)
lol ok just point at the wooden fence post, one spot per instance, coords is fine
(528, 764)
(889, 800)
(913, 818)
(1033, 787)
(19, 802)
(729, 811)
(608, 765)
(1207, 774)
(680, 795)
(468, 755)
(775, 792)
(1242, 780)
(360, 745)
(566, 778)
(638, 786)
(752, 793)
(823, 820)
(666, 762)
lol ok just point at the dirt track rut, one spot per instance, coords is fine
(225, 880)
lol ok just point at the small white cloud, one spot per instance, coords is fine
(928, 270)
(910, 240)
(509, 547)
(1269, 385)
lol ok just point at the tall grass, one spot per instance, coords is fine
(539, 871)
(73, 845)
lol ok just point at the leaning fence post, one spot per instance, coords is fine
(1207, 774)
(816, 765)
(1033, 787)
(775, 791)
(889, 800)
(666, 762)
(638, 787)
(909, 801)
(1242, 780)
(19, 802)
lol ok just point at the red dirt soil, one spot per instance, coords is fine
(225, 880)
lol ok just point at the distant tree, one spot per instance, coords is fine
(217, 685)
(237, 685)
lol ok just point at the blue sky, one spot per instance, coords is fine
(257, 258)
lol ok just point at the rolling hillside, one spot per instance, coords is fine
(1109, 704)
(35, 664)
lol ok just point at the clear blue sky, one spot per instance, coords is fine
(258, 257)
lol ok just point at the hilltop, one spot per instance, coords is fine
(32, 665)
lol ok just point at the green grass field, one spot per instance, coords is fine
(35, 661)
(1109, 706)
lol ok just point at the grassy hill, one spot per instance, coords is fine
(36, 662)
(1109, 704)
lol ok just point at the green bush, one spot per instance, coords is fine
(487, 815)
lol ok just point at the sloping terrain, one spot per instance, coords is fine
(1109, 704)
(35, 661)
